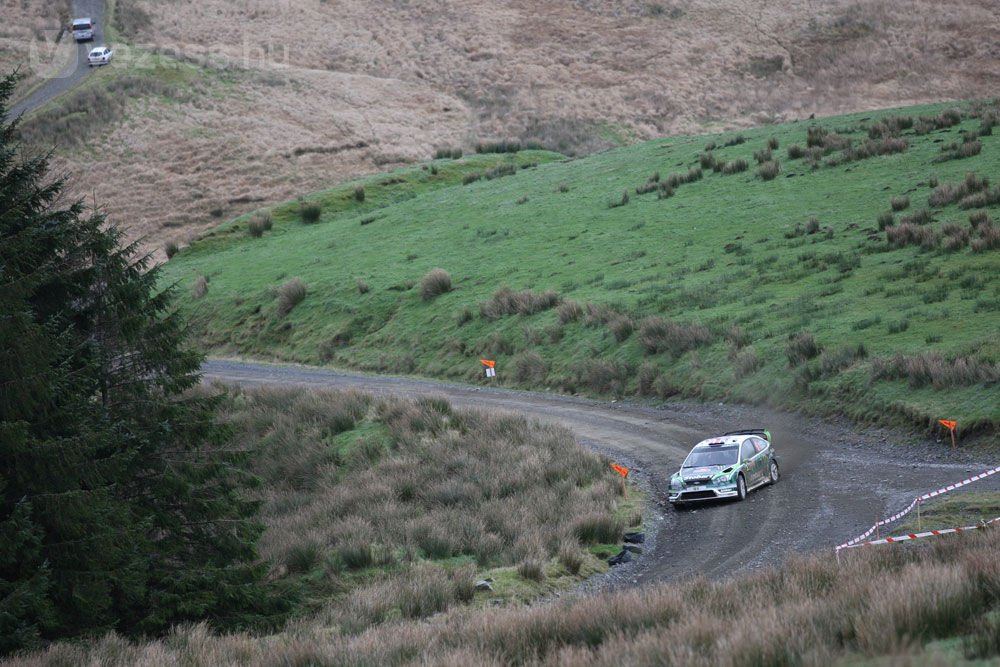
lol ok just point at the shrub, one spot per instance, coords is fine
(200, 287)
(258, 224)
(735, 166)
(562, 187)
(597, 529)
(763, 155)
(500, 171)
(801, 347)
(898, 326)
(309, 212)
(812, 225)
(622, 327)
(446, 152)
(772, 143)
(736, 141)
(989, 237)
(934, 370)
(603, 376)
(769, 170)
(959, 151)
(899, 203)
(665, 192)
(528, 368)
(532, 569)
(570, 556)
(795, 152)
(921, 217)
(615, 203)
(290, 294)
(506, 301)
(907, 233)
(657, 334)
(435, 283)
(359, 193)
(954, 237)
(569, 311)
(747, 362)
(706, 160)
(737, 337)
(885, 219)
(472, 178)
(361, 285)
(171, 249)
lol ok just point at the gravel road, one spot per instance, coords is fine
(836, 480)
(75, 70)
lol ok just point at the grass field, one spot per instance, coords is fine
(860, 279)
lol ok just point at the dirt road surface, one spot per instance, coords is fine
(836, 480)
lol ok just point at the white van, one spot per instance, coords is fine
(83, 30)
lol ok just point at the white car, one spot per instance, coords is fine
(83, 30)
(100, 55)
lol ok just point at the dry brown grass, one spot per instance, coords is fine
(302, 78)
(879, 605)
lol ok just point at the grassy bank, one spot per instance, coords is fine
(933, 604)
(379, 509)
(837, 266)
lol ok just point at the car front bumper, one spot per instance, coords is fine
(693, 493)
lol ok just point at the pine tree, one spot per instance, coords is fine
(122, 503)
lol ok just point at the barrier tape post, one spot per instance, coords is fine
(916, 503)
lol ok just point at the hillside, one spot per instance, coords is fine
(214, 108)
(853, 272)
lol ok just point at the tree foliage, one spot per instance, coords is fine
(122, 502)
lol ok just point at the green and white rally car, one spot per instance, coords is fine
(727, 466)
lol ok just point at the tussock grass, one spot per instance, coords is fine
(506, 301)
(435, 283)
(290, 294)
(768, 171)
(802, 347)
(200, 287)
(935, 370)
(880, 604)
(657, 334)
(309, 212)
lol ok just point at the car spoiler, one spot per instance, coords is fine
(751, 431)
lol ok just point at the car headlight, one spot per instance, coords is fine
(676, 483)
(724, 477)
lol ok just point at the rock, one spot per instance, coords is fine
(633, 549)
(483, 585)
(634, 538)
(623, 557)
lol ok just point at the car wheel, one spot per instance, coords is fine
(679, 505)
(741, 487)
(774, 472)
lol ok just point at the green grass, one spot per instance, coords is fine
(964, 509)
(724, 250)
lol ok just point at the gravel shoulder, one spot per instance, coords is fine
(836, 479)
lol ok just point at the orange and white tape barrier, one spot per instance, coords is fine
(899, 515)
(929, 533)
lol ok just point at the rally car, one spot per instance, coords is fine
(726, 466)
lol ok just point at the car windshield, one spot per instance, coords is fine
(712, 456)
(81, 26)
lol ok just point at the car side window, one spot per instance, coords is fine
(747, 451)
(759, 444)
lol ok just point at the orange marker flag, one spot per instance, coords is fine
(621, 470)
(489, 363)
(950, 424)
